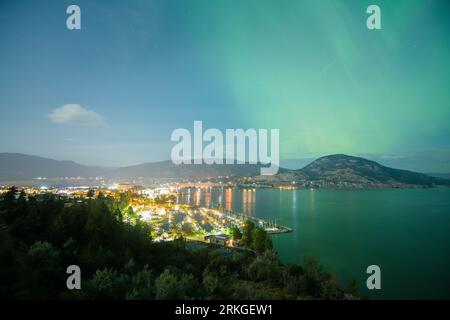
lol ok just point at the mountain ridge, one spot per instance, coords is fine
(17, 166)
(332, 171)
(344, 171)
(167, 169)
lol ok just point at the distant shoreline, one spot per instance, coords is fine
(62, 183)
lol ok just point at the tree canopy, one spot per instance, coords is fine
(40, 236)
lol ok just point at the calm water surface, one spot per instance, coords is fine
(405, 232)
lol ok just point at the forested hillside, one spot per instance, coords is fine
(41, 235)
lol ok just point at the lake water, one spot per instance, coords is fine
(405, 232)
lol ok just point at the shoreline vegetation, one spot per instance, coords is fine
(41, 235)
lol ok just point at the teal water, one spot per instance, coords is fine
(405, 232)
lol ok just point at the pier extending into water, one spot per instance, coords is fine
(271, 227)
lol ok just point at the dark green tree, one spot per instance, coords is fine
(247, 233)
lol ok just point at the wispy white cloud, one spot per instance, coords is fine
(76, 114)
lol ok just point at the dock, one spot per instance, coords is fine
(269, 226)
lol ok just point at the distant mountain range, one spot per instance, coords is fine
(14, 166)
(343, 171)
(166, 169)
(334, 171)
(440, 175)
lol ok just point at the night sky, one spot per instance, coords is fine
(112, 92)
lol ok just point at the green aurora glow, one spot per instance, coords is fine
(313, 69)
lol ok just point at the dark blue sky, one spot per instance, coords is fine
(145, 68)
(130, 63)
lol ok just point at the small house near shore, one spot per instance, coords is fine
(220, 239)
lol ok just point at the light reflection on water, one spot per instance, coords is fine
(404, 231)
(228, 199)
